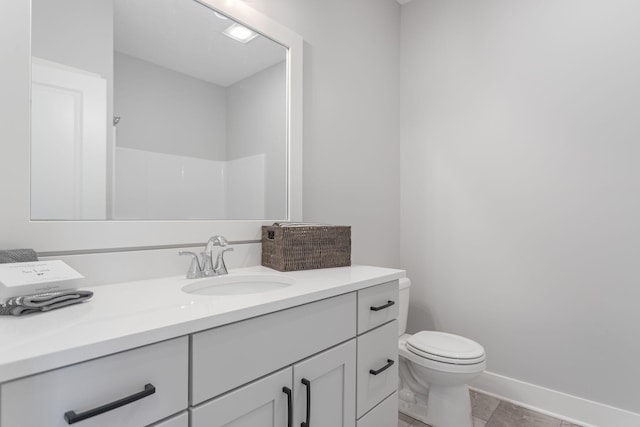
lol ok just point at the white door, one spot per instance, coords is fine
(325, 388)
(263, 403)
(68, 143)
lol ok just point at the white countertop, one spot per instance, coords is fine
(132, 314)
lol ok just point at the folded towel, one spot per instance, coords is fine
(18, 255)
(26, 304)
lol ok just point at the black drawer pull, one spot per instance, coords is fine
(382, 307)
(307, 423)
(287, 391)
(384, 368)
(71, 416)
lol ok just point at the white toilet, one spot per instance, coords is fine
(435, 368)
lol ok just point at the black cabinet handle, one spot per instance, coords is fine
(307, 383)
(71, 416)
(382, 307)
(384, 368)
(287, 391)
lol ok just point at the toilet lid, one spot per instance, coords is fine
(443, 347)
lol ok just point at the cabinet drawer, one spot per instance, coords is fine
(376, 350)
(383, 415)
(43, 399)
(377, 305)
(181, 420)
(229, 356)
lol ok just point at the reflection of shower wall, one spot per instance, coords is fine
(256, 124)
(189, 149)
(164, 186)
(245, 188)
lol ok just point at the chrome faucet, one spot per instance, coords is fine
(208, 268)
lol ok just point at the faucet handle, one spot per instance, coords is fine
(195, 270)
(220, 267)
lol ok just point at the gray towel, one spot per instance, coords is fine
(18, 255)
(26, 304)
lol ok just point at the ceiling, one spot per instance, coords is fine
(186, 36)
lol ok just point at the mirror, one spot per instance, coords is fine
(63, 237)
(155, 110)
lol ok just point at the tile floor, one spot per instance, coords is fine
(488, 411)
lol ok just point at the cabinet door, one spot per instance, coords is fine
(260, 404)
(328, 393)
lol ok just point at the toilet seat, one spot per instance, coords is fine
(445, 348)
(445, 367)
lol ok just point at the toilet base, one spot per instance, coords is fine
(445, 406)
(412, 405)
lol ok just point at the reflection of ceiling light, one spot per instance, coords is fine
(240, 33)
(221, 16)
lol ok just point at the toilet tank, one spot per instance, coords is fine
(405, 285)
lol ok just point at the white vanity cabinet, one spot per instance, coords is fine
(329, 361)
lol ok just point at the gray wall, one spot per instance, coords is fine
(75, 33)
(257, 124)
(168, 112)
(351, 130)
(520, 186)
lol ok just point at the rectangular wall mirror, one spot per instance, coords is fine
(155, 110)
(147, 123)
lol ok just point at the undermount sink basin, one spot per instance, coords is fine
(237, 285)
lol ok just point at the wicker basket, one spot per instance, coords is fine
(306, 247)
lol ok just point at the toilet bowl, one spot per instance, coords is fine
(435, 370)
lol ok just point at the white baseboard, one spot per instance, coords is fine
(574, 409)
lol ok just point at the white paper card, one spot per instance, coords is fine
(19, 274)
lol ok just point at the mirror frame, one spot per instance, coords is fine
(59, 237)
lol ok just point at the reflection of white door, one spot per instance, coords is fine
(68, 142)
